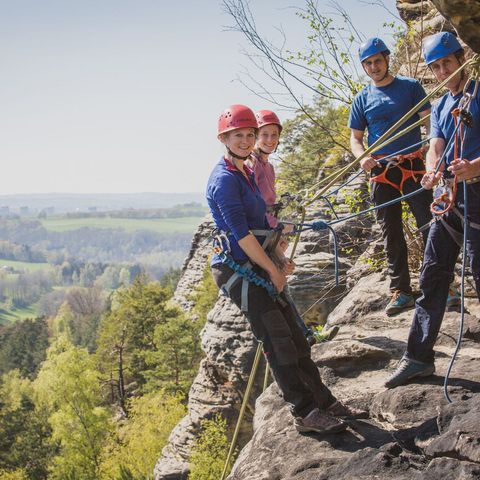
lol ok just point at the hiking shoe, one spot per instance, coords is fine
(316, 336)
(400, 301)
(408, 369)
(454, 299)
(320, 422)
(338, 409)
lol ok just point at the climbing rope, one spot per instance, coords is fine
(462, 115)
(246, 396)
(321, 225)
(248, 274)
(386, 139)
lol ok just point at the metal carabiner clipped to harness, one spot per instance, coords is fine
(445, 195)
(221, 243)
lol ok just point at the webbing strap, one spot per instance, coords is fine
(457, 212)
(244, 304)
(227, 286)
(397, 162)
(455, 234)
(237, 275)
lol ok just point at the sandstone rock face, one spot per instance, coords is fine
(369, 295)
(195, 263)
(459, 432)
(218, 387)
(412, 432)
(465, 17)
(227, 340)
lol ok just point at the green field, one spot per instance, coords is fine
(26, 266)
(160, 225)
(10, 316)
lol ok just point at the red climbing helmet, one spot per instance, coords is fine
(267, 117)
(236, 116)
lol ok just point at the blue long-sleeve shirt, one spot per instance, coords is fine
(236, 205)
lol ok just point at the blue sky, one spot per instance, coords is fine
(124, 95)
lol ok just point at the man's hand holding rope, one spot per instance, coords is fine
(464, 169)
(368, 163)
(430, 180)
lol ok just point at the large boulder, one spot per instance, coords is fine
(459, 432)
(465, 17)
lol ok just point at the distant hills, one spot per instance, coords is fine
(58, 203)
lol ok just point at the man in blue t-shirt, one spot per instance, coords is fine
(444, 55)
(376, 108)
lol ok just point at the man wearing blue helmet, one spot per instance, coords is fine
(444, 55)
(376, 108)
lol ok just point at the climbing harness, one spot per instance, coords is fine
(462, 116)
(385, 139)
(382, 160)
(399, 164)
(244, 272)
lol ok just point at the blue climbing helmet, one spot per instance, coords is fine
(371, 47)
(440, 45)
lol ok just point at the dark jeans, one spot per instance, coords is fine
(390, 219)
(441, 254)
(284, 344)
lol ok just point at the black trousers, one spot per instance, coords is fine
(437, 273)
(390, 219)
(284, 344)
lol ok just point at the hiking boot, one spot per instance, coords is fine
(322, 336)
(454, 299)
(400, 301)
(408, 369)
(320, 422)
(338, 409)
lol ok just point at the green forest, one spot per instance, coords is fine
(96, 361)
(94, 391)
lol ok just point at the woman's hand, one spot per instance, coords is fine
(278, 279)
(288, 267)
(283, 244)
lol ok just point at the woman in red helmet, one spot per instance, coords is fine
(269, 130)
(238, 211)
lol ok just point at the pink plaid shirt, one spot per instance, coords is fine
(265, 178)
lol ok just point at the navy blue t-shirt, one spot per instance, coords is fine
(236, 205)
(442, 125)
(378, 108)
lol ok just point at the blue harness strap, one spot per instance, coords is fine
(244, 272)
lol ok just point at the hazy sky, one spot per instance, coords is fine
(124, 95)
